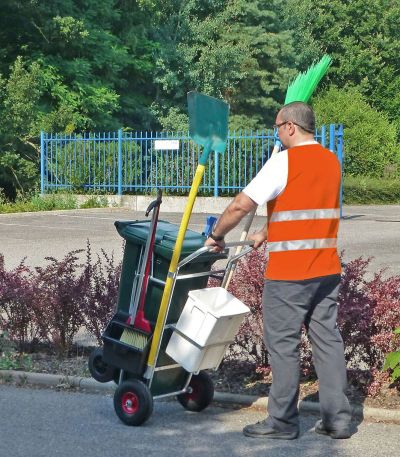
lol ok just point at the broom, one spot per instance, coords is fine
(300, 90)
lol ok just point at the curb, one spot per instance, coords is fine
(251, 401)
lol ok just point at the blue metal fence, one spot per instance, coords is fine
(120, 162)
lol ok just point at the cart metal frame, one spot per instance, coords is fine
(221, 274)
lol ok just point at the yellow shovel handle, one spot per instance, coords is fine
(162, 313)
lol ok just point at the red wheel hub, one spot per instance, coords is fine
(130, 403)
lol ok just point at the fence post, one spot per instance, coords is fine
(323, 135)
(340, 157)
(332, 137)
(216, 169)
(42, 162)
(120, 162)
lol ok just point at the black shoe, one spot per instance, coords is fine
(341, 434)
(263, 429)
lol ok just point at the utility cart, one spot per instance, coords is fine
(198, 340)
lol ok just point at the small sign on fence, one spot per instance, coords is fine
(164, 145)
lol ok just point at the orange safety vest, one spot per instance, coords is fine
(303, 220)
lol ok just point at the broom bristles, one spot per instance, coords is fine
(134, 338)
(301, 89)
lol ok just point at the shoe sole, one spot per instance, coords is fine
(332, 434)
(272, 436)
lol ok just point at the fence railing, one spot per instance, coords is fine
(137, 163)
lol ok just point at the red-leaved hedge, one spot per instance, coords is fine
(369, 311)
(52, 303)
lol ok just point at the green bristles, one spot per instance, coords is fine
(134, 338)
(301, 89)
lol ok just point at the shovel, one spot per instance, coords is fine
(208, 127)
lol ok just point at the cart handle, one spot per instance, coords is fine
(232, 264)
(154, 203)
(205, 249)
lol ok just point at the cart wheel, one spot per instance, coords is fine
(100, 370)
(133, 402)
(201, 395)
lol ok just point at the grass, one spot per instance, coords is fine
(49, 202)
(361, 190)
(357, 190)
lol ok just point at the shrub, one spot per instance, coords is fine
(385, 297)
(95, 202)
(17, 316)
(9, 358)
(34, 202)
(52, 202)
(52, 303)
(368, 313)
(355, 314)
(370, 139)
(61, 294)
(101, 280)
(392, 360)
(247, 285)
(365, 190)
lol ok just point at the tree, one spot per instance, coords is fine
(68, 65)
(363, 39)
(19, 114)
(95, 56)
(233, 49)
(370, 138)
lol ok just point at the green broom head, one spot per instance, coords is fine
(301, 89)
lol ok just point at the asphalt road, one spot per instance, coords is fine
(369, 231)
(43, 422)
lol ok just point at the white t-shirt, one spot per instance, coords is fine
(271, 180)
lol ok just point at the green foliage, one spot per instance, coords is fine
(36, 202)
(392, 361)
(9, 358)
(48, 202)
(19, 98)
(363, 39)
(95, 202)
(72, 66)
(362, 190)
(17, 173)
(370, 139)
(233, 49)
(174, 120)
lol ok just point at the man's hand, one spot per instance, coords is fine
(218, 246)
(258, 238)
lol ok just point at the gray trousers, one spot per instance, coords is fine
(286, 306)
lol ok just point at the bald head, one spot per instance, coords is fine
(300, 114)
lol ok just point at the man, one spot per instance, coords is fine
(301, 185)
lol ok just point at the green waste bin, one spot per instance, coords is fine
(136, 233)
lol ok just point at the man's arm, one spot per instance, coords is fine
(239, 207)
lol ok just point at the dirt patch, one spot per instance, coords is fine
(230, 377)
(243, 380)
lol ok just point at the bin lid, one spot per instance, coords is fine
(166, 235)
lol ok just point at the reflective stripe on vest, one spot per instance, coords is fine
(301, 215)
(297, 245)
